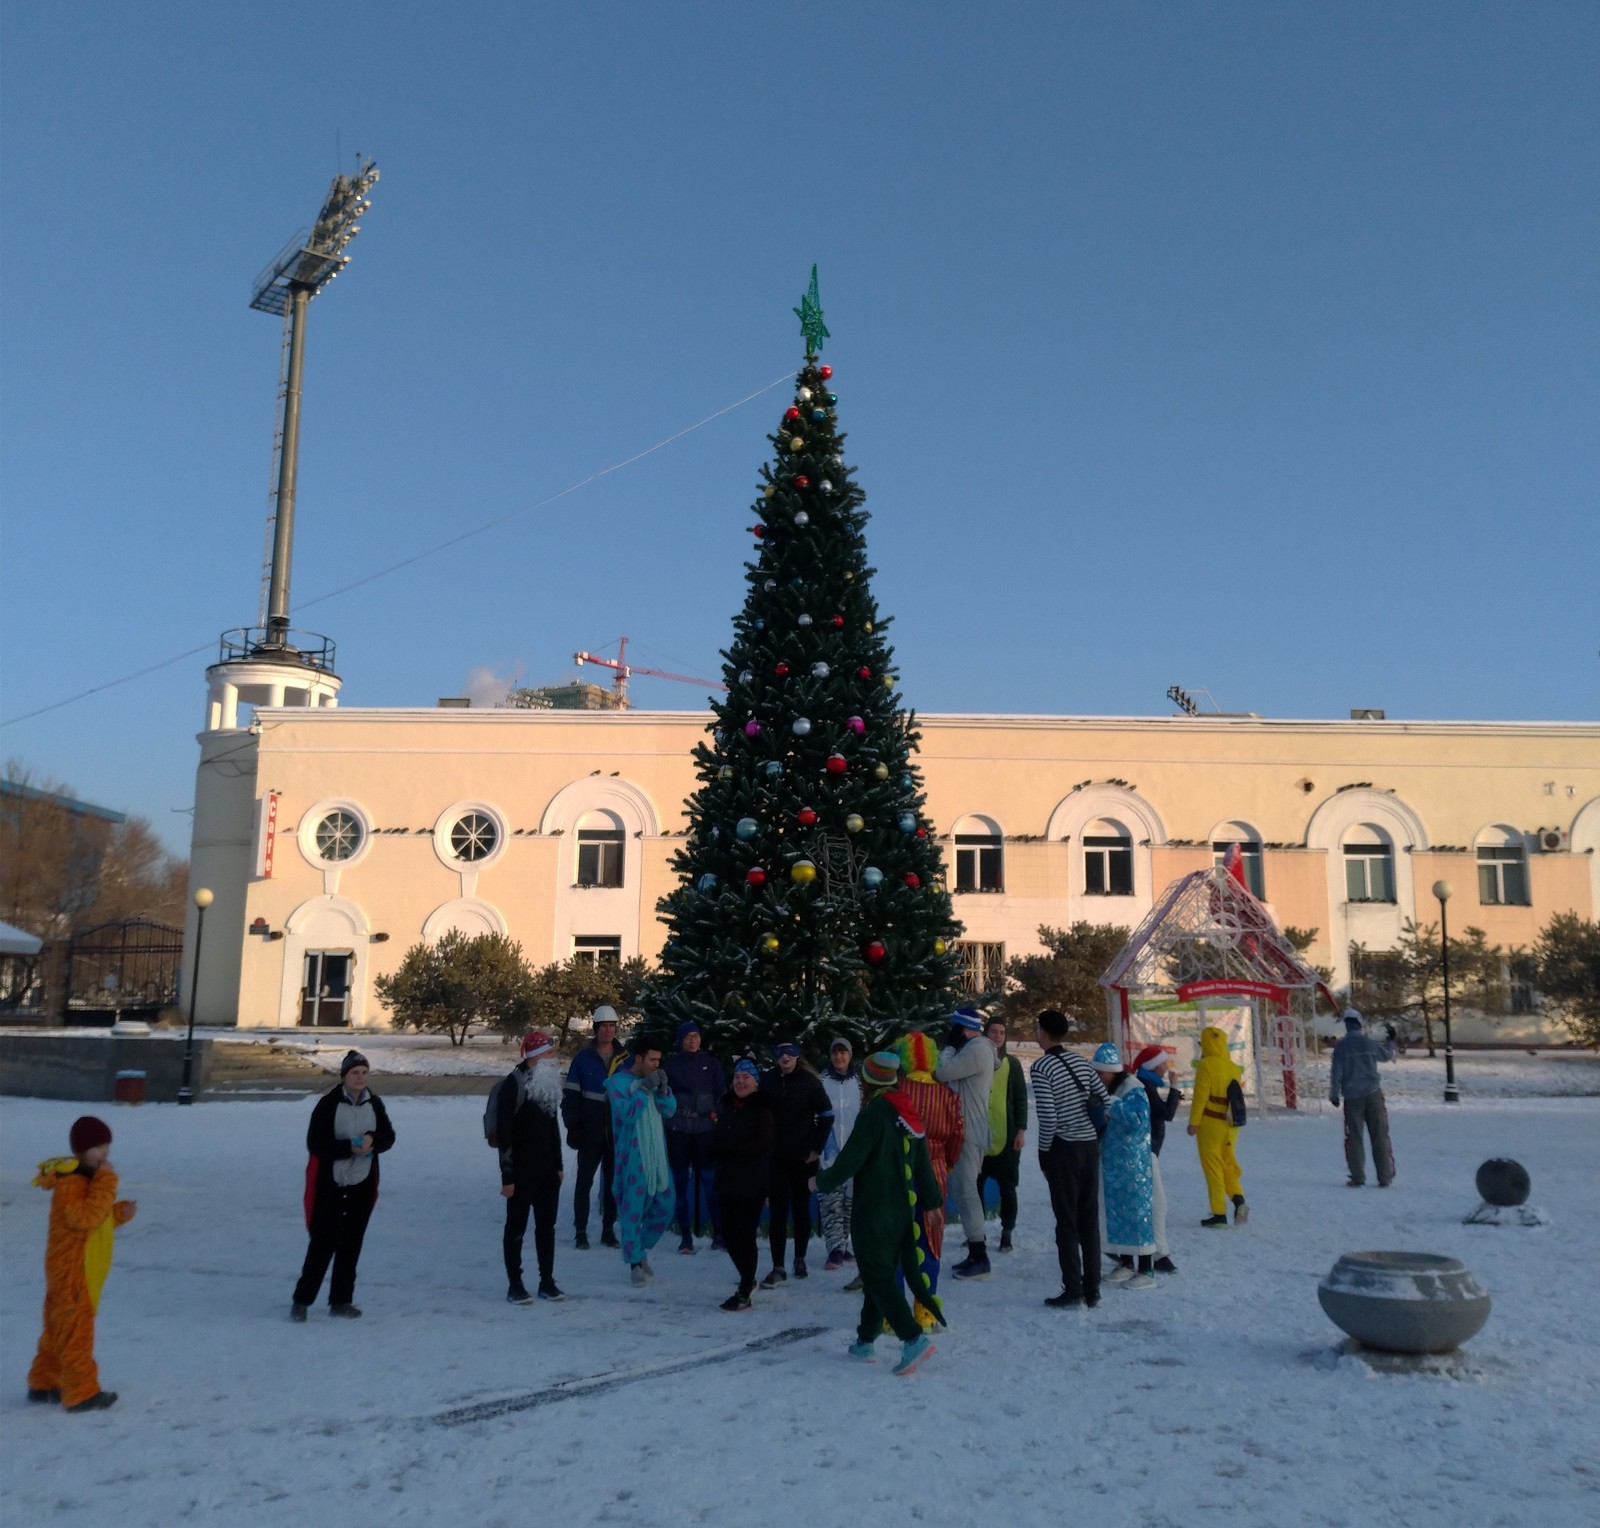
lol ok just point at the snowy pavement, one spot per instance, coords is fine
(1213, 1397)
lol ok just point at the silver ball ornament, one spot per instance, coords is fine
(819, 670)
(801, 726)
(803, 519)
(804, 620)
(872, 878)
(747, 827)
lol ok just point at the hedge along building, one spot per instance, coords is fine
(336, 837)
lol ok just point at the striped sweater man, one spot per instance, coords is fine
(1063, 1084)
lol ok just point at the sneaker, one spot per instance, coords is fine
(1216, 1220)
(864, 1352)
(1141, 1281)
(686, 1247)
(1165, 1265)
(775, 1277)
(975, 1266)
(1064, 1301)
(1005, 1241)
(854, 1286)
(548, 1290)
(45, 1397)
(718, 1245)
(649, 1272)
(518, 1295)
(638, 1276)
(913, 1353)
(1355, 1182)
(1385, 1182)
(297, 1312)
(835, 1262)
(800, 1270)
(608, 1237)
(1241, 1211)
(1121, 1273)
(737, 1301)
(345, 1312)
(581, 1241)
(849, 1257)
(96, 1402)
(1091, 1301)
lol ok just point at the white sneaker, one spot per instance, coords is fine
(639, 1276)
(1140, 1281)
(649, 1272)
(1120, 1274)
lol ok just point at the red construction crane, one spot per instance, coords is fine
(625, 669)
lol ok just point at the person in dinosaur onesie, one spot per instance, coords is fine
(84, 1212)
(1213, 1128)
(887, 1159)
(939, 1109)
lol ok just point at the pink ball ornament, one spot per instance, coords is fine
(856, 725)
(752, 728)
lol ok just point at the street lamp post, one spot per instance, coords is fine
(202, 900)
(1452, 1094)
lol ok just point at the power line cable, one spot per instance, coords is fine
(433, 551)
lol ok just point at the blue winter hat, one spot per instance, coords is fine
(748, 1064)
(968, 1018)
(1351, 1018)
(684, 1028)
(1108, 1058)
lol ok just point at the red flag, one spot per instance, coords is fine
(1233, 863)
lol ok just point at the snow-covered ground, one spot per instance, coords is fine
(1212, 1397)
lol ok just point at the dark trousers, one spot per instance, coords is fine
(1072, 1169)
(883, 1297)
(338, 1225)
(591, 1158)
(1001, 1168)
(741, 1219)
(790, 1198)
(694, 1176)
(542, 1198)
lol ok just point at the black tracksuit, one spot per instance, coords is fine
(741, 1146)
(802, 1118)
(337, 1217)
(531, 1163)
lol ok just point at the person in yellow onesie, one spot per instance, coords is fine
(1211, 1124)
(77, 1258)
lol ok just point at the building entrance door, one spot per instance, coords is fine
(325, 992)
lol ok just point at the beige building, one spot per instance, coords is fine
(334, 838)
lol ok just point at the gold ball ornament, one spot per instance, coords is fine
(866, 625)
(769, 492)
(854, 823)
(888, 681)
(939, 947)
(796, 443)
(802, 872)
(769, 942)
(882, 771)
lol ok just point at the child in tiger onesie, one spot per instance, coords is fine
(77, 1258)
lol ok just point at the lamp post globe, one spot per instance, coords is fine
(203, 898)
(1441, 891)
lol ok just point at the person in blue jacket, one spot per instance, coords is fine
(697, 1082)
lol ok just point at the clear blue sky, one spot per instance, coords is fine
(1236, 345)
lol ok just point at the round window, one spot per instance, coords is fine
(338, 835)
(474, 837)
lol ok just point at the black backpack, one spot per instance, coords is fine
(1238, 1115)
(491, 1111)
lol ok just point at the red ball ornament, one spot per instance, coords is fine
(781, 670)
(806, 817)
(875, 953)
(838, 623)
(922, 832)
(837, 764)
(863, 672)
(755, 876)
(791, 413)
(802, 482)
(824, 372)
(913, 881)
(758, 531)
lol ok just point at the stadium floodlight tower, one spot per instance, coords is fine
(269, 664)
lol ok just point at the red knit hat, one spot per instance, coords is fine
(87, 1133)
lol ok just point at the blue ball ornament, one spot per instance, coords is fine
(833, 397)
(908, 822)
(872, 878)
(819, 414)
(747, 827)
(773, 768)
(707, 883)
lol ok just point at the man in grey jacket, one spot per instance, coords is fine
(1354, 1077)
(967, 1065)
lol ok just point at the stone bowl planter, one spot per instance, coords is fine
(1404, 1302)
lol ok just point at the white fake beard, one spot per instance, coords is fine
(544, 1084)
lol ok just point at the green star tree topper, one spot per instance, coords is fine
(811, 898)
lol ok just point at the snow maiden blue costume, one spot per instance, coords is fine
(642, 1180)
(1127, 1180)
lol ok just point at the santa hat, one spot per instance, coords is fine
(1147, 1055)
(536, 1043)
(87, 1133)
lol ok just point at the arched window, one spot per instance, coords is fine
(980, 855)
(600, 849)
(1502, 868)
(1368, 864)
(1107, 859)
(1225, 836)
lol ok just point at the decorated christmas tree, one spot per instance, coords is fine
(811, 897)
